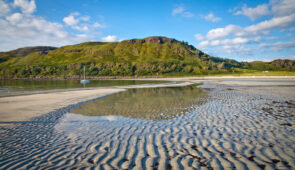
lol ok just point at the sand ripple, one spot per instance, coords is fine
(230, 131)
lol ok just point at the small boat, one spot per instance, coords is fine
(84, 81)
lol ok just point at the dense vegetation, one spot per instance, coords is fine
(152, 56)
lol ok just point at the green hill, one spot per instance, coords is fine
(275, 65)
(152, 56)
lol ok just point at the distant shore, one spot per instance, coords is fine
(151, 77)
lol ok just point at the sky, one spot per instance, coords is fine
(244, 30)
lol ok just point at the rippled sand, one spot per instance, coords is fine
(236, 127)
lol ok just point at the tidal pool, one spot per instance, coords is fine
(145, 103)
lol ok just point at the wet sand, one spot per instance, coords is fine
(22, 108)
(237, 127)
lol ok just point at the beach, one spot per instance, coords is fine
(22, 108)
(242, 123)
(26, 107)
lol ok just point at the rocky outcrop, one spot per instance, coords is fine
(283, 63)
(22, 52)
(28, 50)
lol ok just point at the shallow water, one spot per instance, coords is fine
(145, 103)
(19, 87)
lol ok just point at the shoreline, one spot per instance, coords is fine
(153, 77)
(26, 107)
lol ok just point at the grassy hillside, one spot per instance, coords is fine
(276, 65)
(137, 57)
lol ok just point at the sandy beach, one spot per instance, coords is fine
(243, 123)
(22, 108)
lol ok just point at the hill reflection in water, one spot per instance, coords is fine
(145, 103)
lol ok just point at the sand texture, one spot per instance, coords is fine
(235, 128)
(21, 108)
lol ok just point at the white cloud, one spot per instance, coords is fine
(249, 34)
(225, 42)
(211, 17)
(279, 46)
(14, 17)
(230, 51)
(223, 32)
(204, 44)
(27, 7)
(240, 40)
(237, 49)
(35, 31)
(4, 8)
(109, 38)
(81, 23)
(283, 7)
(180, 10)
(265, 37)
(25, 29)
(215, 43)
(71, 20)
(274, 23)
(254, 13)
(276, 8)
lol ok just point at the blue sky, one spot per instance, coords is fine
(242, 30)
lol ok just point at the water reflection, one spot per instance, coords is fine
(146, 103)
